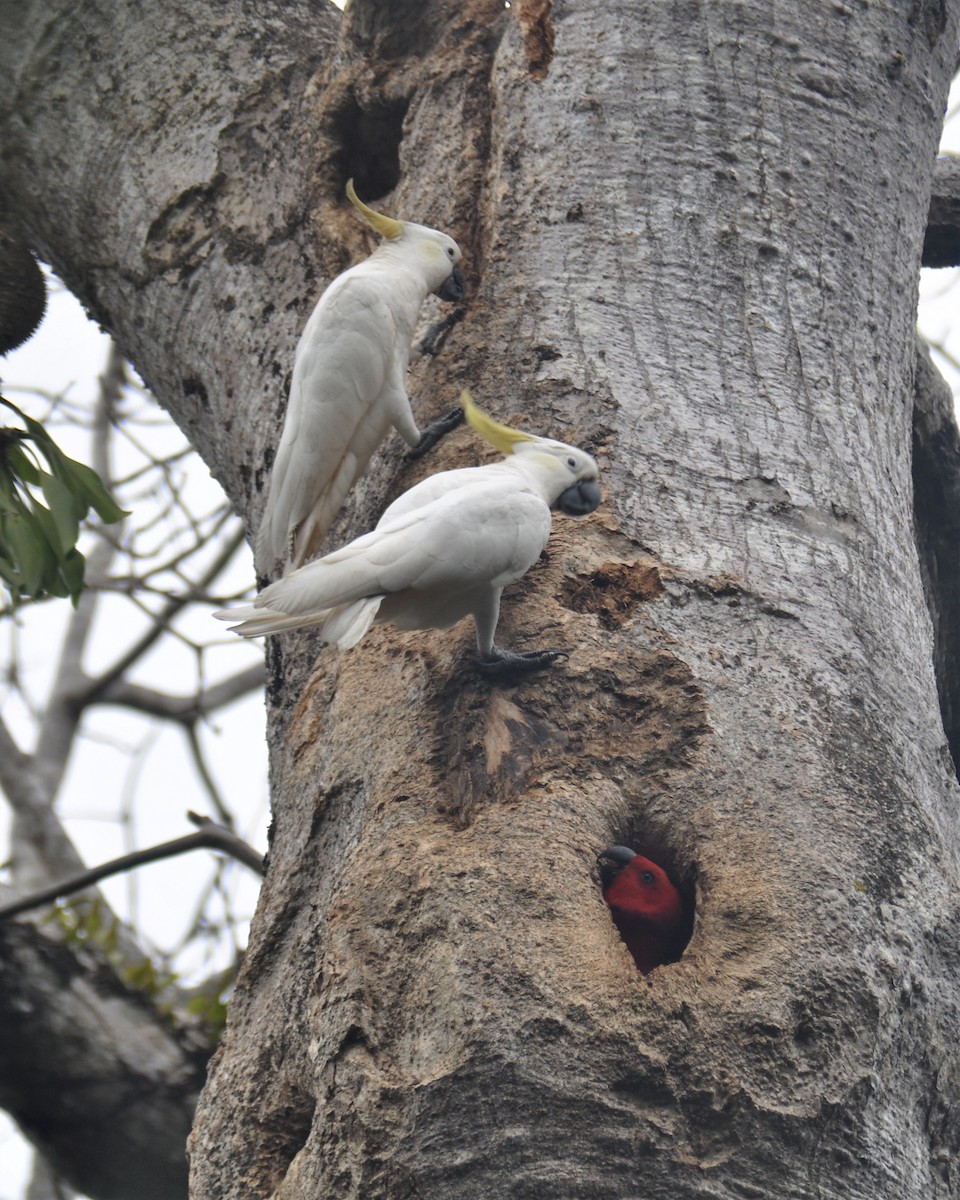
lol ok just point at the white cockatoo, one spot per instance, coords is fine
(443, 550)
(349, 383)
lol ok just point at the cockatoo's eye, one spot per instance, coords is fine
(451, 253)
(572, 463)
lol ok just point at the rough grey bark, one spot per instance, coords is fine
(694, 233)
(100, 1084)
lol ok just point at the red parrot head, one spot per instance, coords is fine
(646, 907)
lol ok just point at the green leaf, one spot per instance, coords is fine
(23, 464)
(40, 436)
(143, 976)
(38, 553)
(43, 519)
(72, 570)
(86, 484)
(81, 479)
(29, 550)
(67, 510)
(212, 1011)
(10, 500)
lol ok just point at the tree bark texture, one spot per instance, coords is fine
(100, 1084)
(692, 234)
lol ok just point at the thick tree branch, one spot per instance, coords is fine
(210, 837)
(941, 243)
(98, 1080)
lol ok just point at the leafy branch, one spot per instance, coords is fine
(38, 537)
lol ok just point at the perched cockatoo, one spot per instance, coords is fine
(443, 550)
(646, 907)
(349, 383)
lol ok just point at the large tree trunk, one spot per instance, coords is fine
(693, 234)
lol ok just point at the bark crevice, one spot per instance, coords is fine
(936, 504)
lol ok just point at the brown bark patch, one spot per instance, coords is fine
(536, 21)
(285, 1129)
(613, 591)
(495, 746)
(498, 747)
(648, 714)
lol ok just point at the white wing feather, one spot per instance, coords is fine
(474, 538)
(346, 390)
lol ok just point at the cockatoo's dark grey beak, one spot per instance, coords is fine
(454, 288)
(580, 499)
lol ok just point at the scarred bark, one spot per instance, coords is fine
(693, 235)
(100, 1084)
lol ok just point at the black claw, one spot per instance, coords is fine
(430, 342)
(435, 431)
(504, 663)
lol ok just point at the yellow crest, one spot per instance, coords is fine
(501, 436)
(388, 227)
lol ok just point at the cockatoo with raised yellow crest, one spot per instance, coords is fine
(349, 383)
(443, 550)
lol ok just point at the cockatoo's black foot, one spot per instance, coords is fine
(502, 663)
(432, 340)
(435, 431)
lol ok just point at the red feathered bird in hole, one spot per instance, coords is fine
(646, 907)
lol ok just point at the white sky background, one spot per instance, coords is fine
(158, 784)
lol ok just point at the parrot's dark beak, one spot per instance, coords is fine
(454, 288)
(577, 501)
(617, 854)
(612, 861)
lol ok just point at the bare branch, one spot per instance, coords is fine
(211, 836)
(16, 778)
(185, 710)
(206, 777)
(62, 714)
(98, 687)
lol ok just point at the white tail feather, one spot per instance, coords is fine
(346, 625)
(343, 626)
